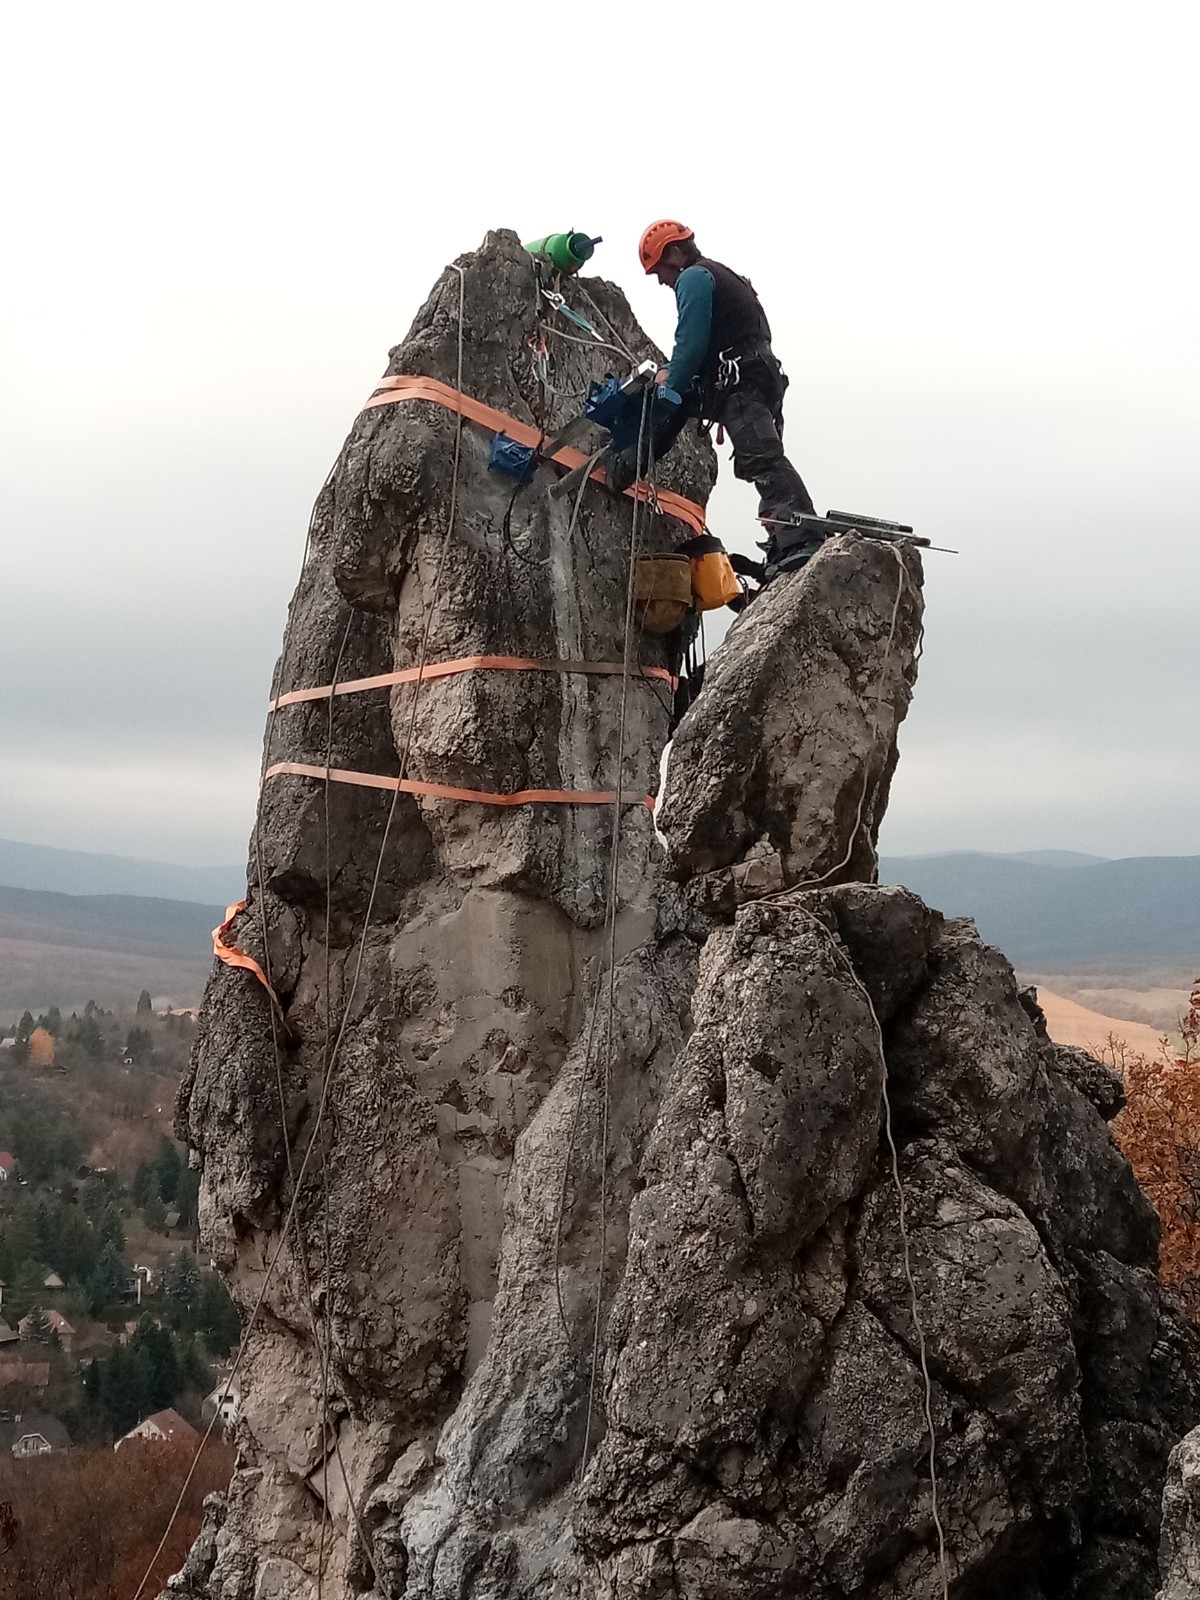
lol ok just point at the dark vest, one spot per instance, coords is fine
(739, 322)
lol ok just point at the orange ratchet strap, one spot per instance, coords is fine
(405, 386)
(233, 957)
(446, 791)
(449, 669)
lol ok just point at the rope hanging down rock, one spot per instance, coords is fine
(906, 1251)
(331, 1063)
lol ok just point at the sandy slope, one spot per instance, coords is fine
(1070, 1023)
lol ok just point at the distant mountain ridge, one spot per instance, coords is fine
(1060, 914)
(138, 924)
(60, 949)
(78, 872)
(129, 924)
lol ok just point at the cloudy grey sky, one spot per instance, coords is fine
(974, 229)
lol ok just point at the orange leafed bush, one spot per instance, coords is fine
(85, 1525)
(1159, 1131)
(41, 1047)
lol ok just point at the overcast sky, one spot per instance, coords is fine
(974, 230)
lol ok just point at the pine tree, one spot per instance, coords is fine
(167, 1167)
(109, 1281)
(110, 1229)
(140, 1045)
(219, 1322)
(193, 1371)
(91, 1381)
(161, 1362)
(182, 1288)
(145, 1007)
(187, 1196)
(123, 1389)
(21, 1045)
(145, 1184)
(37, 1327)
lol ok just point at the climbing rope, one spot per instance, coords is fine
(906, 1249)
(625, 350)
(635, 538)
(596, 343)
(326, 1346)
(257, 840)
(327, 1076)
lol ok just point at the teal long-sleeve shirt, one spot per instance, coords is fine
(694, 298)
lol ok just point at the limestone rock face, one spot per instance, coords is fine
(1181, 1522)
(641, 1278)
(792, 746)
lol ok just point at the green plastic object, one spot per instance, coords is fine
(566, 252)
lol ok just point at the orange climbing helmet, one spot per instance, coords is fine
(656, 239)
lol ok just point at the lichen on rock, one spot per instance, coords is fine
(613, 1269)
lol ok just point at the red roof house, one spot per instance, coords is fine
(162, 1427)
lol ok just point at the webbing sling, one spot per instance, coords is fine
(449, 791)
(405, 386)
(450, 669)
(233, 957)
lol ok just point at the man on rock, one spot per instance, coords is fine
(722, 369)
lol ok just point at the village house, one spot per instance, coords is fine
(54, 1320)
(226, 1402)
(34, 1434)
(24, 1374)
(53, 1281)
(7, 1163)
(7, 1334)
(163, 1427)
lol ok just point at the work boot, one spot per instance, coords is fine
(790, 547)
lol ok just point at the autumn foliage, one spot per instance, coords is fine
(85, 1525)
(1159, 1131)
(41, 1047)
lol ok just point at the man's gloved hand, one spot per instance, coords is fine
(670, 397)
(745, 567)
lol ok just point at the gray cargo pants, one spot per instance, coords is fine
(752, 415)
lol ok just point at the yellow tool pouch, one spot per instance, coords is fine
(714, 583)
(662, 592)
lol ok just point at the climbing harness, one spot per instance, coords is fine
(729, 370)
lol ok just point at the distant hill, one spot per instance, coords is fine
(1062, 912)
(38, 866)
(59, 949)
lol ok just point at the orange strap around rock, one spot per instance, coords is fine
(447, 791)
(449, 669)
(233, 957)
(406, 386)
